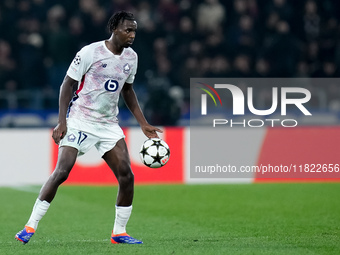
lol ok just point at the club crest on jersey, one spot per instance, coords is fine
(126, 68)
(76, 60)
(71, 138)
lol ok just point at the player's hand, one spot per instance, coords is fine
(151, 131)
(59, 132)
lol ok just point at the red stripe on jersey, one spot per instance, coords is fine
(81, 84)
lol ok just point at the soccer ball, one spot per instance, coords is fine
(154, 153)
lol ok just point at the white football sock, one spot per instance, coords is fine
(122, 217)
(39, 210)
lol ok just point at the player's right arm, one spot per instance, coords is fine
(79, 66)
(65, 97)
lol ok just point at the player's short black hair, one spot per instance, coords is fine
(117, 18)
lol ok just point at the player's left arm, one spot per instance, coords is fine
(131, 101)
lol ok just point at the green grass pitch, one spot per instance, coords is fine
(181, 219)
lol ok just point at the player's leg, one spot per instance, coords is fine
(119, 161)
(66, 159)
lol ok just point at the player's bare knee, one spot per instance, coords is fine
(126, 179)
(59, 176)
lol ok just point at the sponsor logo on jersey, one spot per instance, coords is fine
(104, 65)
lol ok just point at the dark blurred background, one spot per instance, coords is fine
(176, 40)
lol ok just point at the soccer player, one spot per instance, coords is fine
(100, 71)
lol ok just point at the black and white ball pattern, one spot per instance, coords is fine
(154, 153)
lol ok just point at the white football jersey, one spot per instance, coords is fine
(101, 75)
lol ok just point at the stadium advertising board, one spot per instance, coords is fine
(91, 169)
(308, 150)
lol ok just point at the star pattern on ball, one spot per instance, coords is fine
(154, 153)
(157, 158)
(143, 151)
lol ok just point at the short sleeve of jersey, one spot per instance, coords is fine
(132, 75)
(80, 64)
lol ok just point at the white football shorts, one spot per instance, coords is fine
(84, 135)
